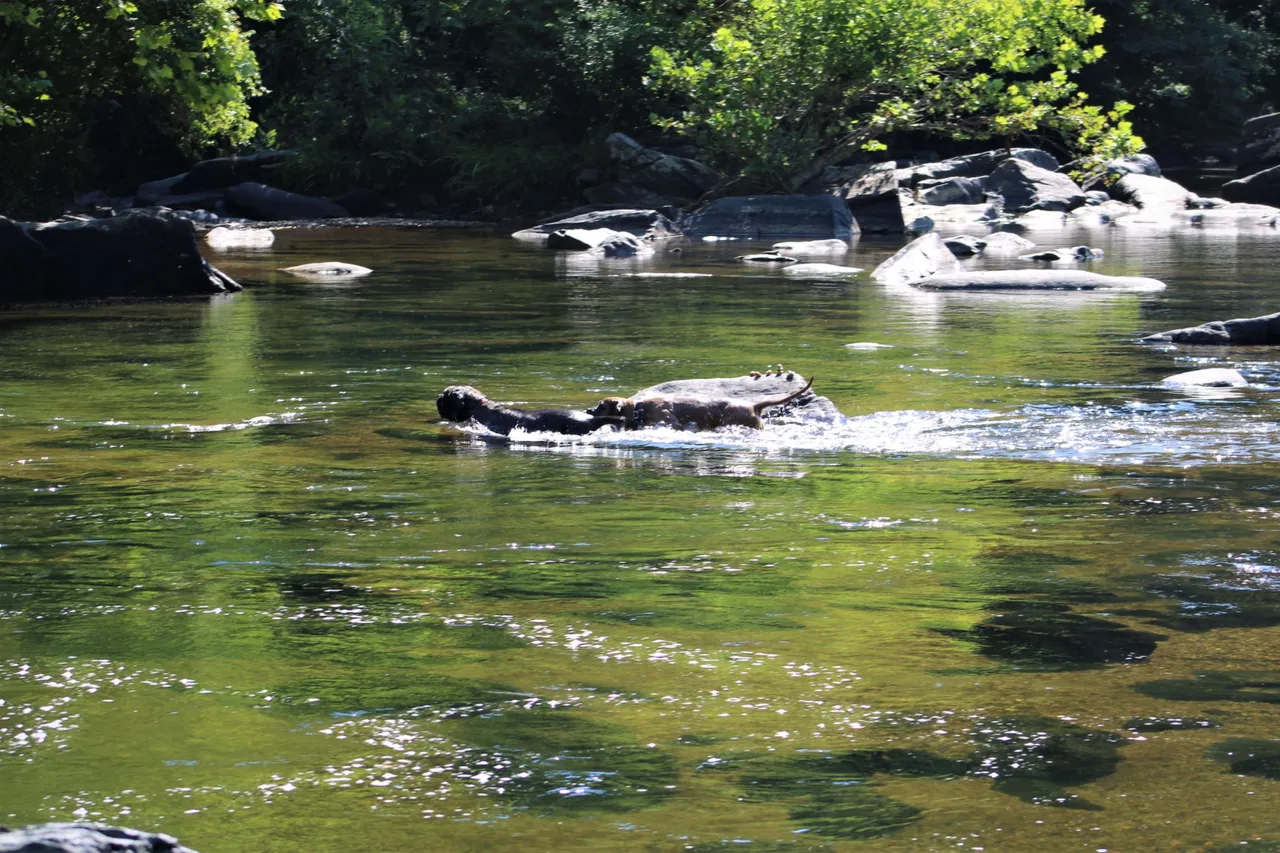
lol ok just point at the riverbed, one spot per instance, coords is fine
(1022, 597)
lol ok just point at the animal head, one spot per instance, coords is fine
(613, 407)
(458, 403)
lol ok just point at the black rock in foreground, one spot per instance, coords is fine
(134, 254)
(86, 838)
(1248, 331)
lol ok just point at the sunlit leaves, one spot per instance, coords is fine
(791, 80)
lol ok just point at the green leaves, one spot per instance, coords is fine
(789, 81)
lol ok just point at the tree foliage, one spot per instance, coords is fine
(789, 81)
(188, 62)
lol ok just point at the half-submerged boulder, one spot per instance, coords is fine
(239, 238)
(86, 838)
(1038, 280)
(638, 222)
(820, 271)
(1246, 331)
(815, 217)
(134, 254)
(1209, 377)
(324, 270)
(921, 258)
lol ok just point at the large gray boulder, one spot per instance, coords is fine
(1038, 280)
(957, 190)
(641, 223)
(807, 407)
(922, 258)
(975, 165)
(870, 191)
(259, 201)
(134, 254)
(1247, 331)
(817, 217)
(663, 174)
(1152, 193)
(1260, 188)
(1025, 186)
(86, 838)
(1134, 164)
(1260, 148)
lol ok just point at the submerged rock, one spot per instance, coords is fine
(579, 239)
(134, 254)
(753, 217)
(1246, 331)
(86, 838)
(820, 271)
(620, 244)
(921, 258)
(1038, 280)
(328, 269)
(1077, 254)
(1209, 377)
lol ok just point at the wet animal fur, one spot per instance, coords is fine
(462, 403)
(688, 412)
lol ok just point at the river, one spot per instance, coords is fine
(1023, 597)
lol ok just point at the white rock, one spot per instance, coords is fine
(813, 247)
(240, 238)
(820, 270)
(1210, 377)
(1005, 243)
(328, 269)
(867, 345)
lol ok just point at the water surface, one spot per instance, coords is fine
(1023, 598)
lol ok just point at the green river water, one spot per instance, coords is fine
(254, 595)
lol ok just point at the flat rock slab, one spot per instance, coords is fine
(1039, 280)
(1210, 377)
(808, 407)
(86, 838)
(1245, 331)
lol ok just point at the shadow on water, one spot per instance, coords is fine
(1046, 636)
(1032, 626)
(1233, 590)
(1249, 756)
(564, 764)
(1261, 687)
(1035, 759)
